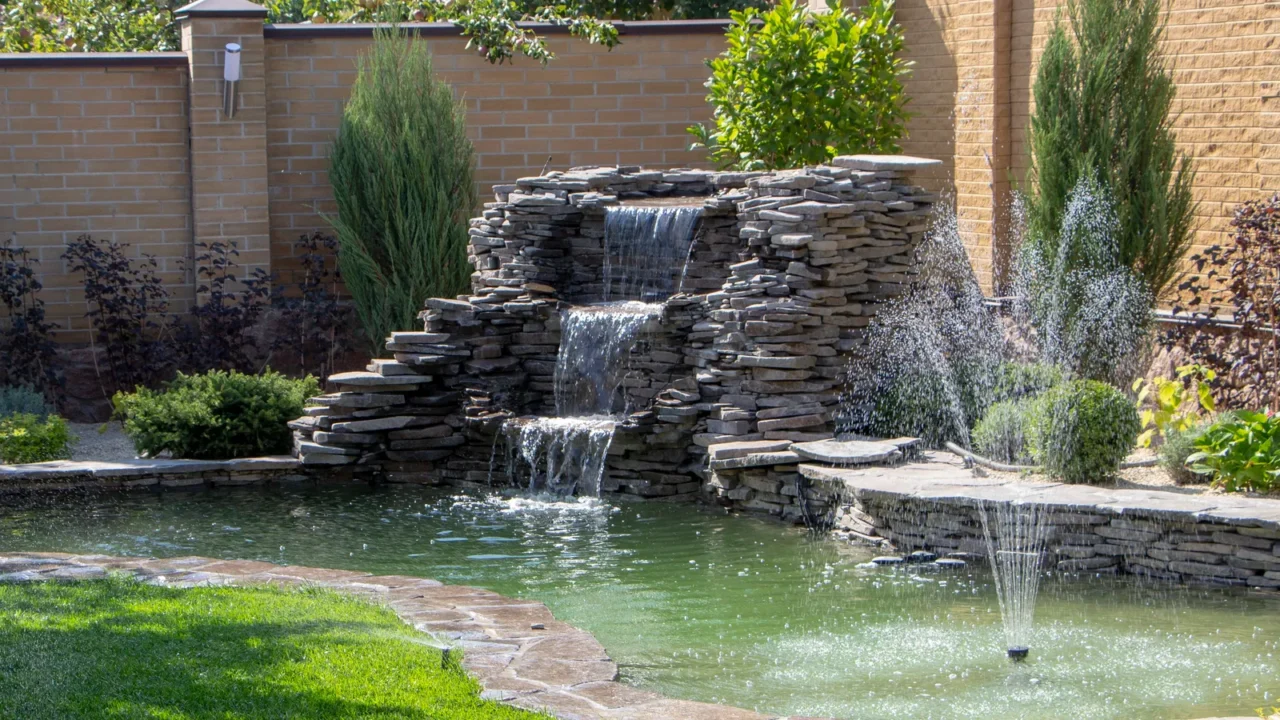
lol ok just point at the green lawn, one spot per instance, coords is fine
(121, 649)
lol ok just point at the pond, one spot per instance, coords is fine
(705, 606)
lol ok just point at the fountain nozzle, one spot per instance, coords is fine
(1018, 653)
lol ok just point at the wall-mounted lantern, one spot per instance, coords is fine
(231, 78)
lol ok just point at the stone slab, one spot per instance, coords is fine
(847, 452)
(876, 163)
(373, 380)
(731, 450)
(759, 459)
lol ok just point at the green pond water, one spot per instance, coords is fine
(704, 606)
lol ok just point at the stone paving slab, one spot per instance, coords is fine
(516, 648)
(936, 481)
(59, 469)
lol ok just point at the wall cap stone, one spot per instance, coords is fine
(61, 469)
(447, 29)
(28, 61)
(221, 8)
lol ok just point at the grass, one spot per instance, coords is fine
(117, 648)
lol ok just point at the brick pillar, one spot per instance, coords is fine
(1001, 145)
(228, 154)
(982, 55)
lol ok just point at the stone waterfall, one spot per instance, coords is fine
(646, 251)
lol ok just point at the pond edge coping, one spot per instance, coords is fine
(120, 474)
(520, 654)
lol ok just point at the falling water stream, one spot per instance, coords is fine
(644, 245)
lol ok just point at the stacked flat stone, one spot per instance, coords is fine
(489, 356)
(785, 270)
(825, 247)
(764, 475)
(1197, 539)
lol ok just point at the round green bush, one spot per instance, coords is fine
(29, 438)
(1002, 433)
(216, 416)
(1080, 431)
(1178, 446)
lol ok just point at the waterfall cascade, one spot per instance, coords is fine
(644, 247)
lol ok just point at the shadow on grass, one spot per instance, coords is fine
(119, 649)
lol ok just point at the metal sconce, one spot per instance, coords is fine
(231, 78)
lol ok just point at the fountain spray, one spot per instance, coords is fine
(1015, 544)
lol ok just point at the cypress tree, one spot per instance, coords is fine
(1103, 96)
(401, 170)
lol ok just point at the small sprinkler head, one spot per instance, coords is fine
(1018, 653)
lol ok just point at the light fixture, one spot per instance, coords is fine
(231, 78)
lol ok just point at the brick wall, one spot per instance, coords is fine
(1224, 53)
(587, 107)
(954, 88)
(100, 143)
(92, 145)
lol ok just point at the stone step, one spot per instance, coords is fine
(731, 450)
(759, 459)
(418, 338)
(390, 368)
(374, 380)
(358, 400)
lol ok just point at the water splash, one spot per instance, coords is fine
(1015, 545)
(562, 455)
(1088, 312)
(643, 246)
(928, 366)
(595, 342)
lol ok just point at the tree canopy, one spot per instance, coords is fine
(492, 27)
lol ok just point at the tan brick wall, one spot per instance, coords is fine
(1222, 51)
(94, 150)
(1225, 54)
(587, 107)
(954, 90)
(104, 149)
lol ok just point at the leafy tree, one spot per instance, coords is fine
(491, 26)
(87, 26)
(1103, 96)
(401, 169)
(794, 88)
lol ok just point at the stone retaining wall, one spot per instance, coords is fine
(132, 474)
(1209, 539)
